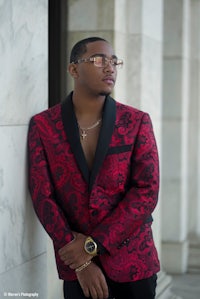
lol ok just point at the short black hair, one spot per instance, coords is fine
(81, 47)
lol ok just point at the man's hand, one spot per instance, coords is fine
(93, 282)
(73, 254)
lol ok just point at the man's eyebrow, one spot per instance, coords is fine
(102, 55)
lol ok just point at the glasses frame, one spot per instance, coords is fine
(113, 61)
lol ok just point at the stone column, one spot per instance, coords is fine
(194, 120)
(194, 141)
(198, 120)
(175, 135)
(139, 38)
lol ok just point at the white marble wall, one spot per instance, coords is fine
(23, 92)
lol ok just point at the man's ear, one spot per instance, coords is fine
(72, 69)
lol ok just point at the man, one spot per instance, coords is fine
(94, 179)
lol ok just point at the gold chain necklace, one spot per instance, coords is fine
(83, 131)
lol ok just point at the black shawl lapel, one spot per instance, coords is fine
(108, 123)
(72, 132)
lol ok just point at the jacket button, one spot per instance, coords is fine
(126, 241)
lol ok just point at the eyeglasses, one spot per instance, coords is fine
(102, 61)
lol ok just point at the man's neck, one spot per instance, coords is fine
(88, 107)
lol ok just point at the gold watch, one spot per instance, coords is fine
(90, 246)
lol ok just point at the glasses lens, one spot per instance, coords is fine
(119, 63)
(114, 61)
(99, 61)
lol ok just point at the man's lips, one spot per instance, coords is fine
(109, 80)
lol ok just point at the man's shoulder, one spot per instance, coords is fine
(50, 113)
(125, 108)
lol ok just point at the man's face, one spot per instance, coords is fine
(93, 79)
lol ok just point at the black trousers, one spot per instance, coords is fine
(141, 289)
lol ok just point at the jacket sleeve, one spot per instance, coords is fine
(141, 197)
(42, 191)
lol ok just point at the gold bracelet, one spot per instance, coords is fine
(83, 266)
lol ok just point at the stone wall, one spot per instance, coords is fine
(23, 92)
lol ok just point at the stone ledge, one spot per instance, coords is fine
(194, 255)
(175, 256)
(163, 290)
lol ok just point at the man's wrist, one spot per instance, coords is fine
(85, 265)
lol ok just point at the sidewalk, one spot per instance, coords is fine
(187, 286)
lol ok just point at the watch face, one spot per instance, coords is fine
(90, 246)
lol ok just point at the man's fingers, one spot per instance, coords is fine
(104, 288)
(86, 291)
(92, 280)
(94, 293)
(97, 292)
(62, 251)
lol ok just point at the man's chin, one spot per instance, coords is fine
(105, 94)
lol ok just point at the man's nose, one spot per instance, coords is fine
(110, 66)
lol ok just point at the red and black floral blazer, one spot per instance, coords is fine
(113, 203)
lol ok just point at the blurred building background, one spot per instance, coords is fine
(159, 41)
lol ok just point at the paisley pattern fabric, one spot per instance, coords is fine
(113, 203)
